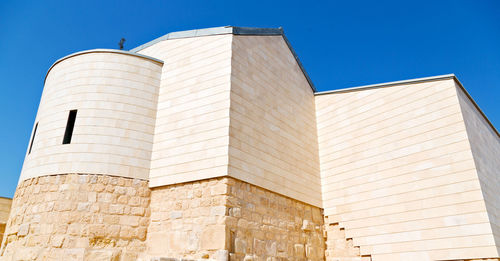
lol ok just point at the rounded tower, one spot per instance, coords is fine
(83, 191)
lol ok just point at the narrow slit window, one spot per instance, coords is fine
(70, 125)
(33, 138)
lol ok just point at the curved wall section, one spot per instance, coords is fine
(115, 94)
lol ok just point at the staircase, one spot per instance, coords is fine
(338, 247)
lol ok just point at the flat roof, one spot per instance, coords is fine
(229, 30)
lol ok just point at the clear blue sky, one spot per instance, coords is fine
(341, 44)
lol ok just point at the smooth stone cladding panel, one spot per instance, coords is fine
(398, 173)
(485, 145)
(115, 93)
(228, 219)
(273, 142)
(192, 122)
(78, 217)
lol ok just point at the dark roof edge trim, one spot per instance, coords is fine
(211, 31)
(413, 81)
(475, 105)
(311, 84)
(101, 51)
(387, 84)
(229, 30)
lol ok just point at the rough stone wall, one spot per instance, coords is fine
(78, 217)
(188, 220)
(263, 225)
(225, 218)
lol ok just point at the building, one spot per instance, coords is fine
(5, 204)
(214, 144)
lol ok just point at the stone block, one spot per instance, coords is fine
(175, 214)
(116, 209)
(259, 247)
(102, 255)
(240, 245)
(113, 231)
(129, 221)
(248, 258)
(271, 248)
(126, 232)
(164, 259)
(23, 230)
(221, 255)
(307, 225)
(219, 189)
(137, 211)
(27, 254)
(213, 238)
(218, 211)
(311, 252)
(299, 250)
(317, 217)
(74, 254)
(235, 212)
(157, 243)
(129, 256)
(57, 241)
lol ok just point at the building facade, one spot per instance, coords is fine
(214, 144)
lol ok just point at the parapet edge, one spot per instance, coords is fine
(230, 30)
(414, 81)
(102, 51)
(387, 84)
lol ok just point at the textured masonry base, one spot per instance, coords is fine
(77, 217)
(96, 217)
(225, 218)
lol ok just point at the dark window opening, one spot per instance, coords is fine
(33, 138)
(69, 127)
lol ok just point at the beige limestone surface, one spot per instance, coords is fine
(188, 220)
(398, 173)
(273, 142)
(116, 96)
(192, 122)
(104, 218)
(78, 217)
(485, 145)
(225, 218)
